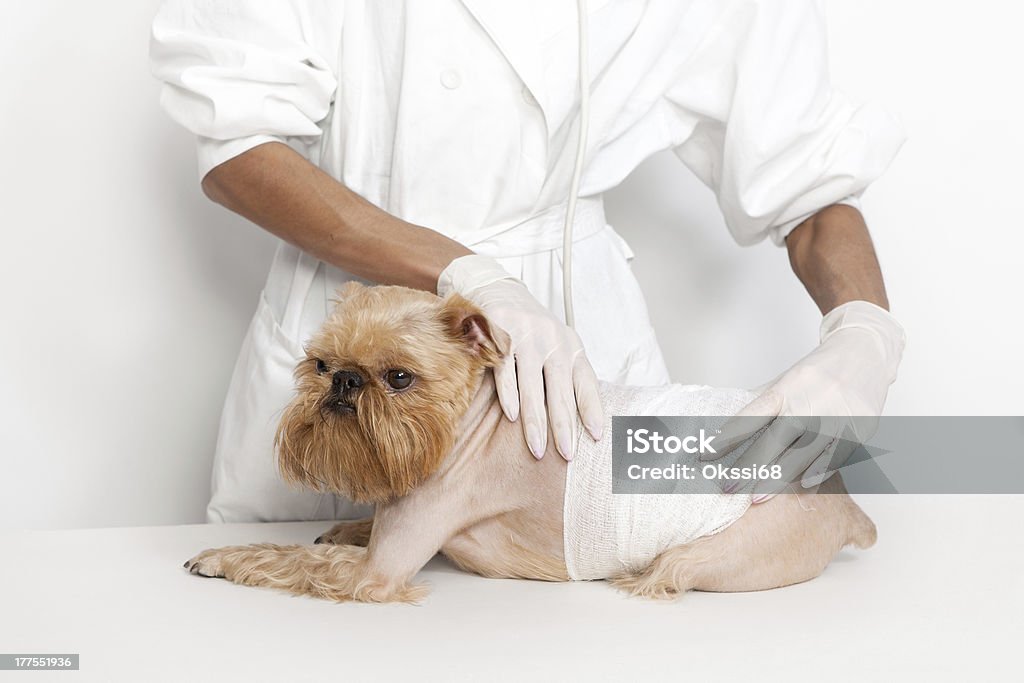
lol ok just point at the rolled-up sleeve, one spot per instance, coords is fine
(767, 131)
(239, 73)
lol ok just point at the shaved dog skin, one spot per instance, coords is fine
(396, 406)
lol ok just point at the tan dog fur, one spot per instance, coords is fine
(449, 473)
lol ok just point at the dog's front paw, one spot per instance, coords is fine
(342, 534)
(207, 563)
(355, 532)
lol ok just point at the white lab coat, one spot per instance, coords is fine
(461, 115)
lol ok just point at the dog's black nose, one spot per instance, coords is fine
(345, 380)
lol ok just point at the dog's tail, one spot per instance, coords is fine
(862, 531)
(859, 530)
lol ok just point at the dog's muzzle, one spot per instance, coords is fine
(345, 384)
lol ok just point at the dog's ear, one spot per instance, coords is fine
(349, 288)
(468, 324)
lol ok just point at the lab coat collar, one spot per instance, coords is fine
(536, 36)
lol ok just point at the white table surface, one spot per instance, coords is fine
(941, 597)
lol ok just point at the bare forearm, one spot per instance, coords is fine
(283, 193)
(834, 258)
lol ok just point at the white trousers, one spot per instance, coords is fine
(611, 319)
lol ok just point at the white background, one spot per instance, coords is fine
(126, 293)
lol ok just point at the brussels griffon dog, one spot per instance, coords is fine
(396, 405)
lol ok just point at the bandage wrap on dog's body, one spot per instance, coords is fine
(606, 534)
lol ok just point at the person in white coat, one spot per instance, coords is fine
(430, 143)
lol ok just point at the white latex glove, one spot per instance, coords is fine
(822, 408)
(547, 360)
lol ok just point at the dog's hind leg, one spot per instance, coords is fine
(353, 532)
(788, 539)
(672, 573)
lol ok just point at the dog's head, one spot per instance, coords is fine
(381, 390)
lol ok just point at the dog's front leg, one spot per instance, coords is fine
(353, 532)
(405, 535)
(332, 572)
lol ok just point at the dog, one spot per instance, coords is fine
(396, 405)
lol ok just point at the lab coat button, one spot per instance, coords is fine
(528, 96)
(451, 79)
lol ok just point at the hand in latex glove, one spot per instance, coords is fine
(547, 360)
(826, 405)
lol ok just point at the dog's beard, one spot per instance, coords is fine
(382, 451)
(360, 436)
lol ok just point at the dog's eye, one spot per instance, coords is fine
(398, 379)
(321, 367)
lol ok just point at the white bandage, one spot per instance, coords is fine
(609, 534)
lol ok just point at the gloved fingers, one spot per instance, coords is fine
(507, 387)
(561, 404)
(792, 463)
(829, 462)
(831, 427)
(588, 396)
(531, 402)
(766, 489)
(779, 436)
(744, 424)
(819, 470)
